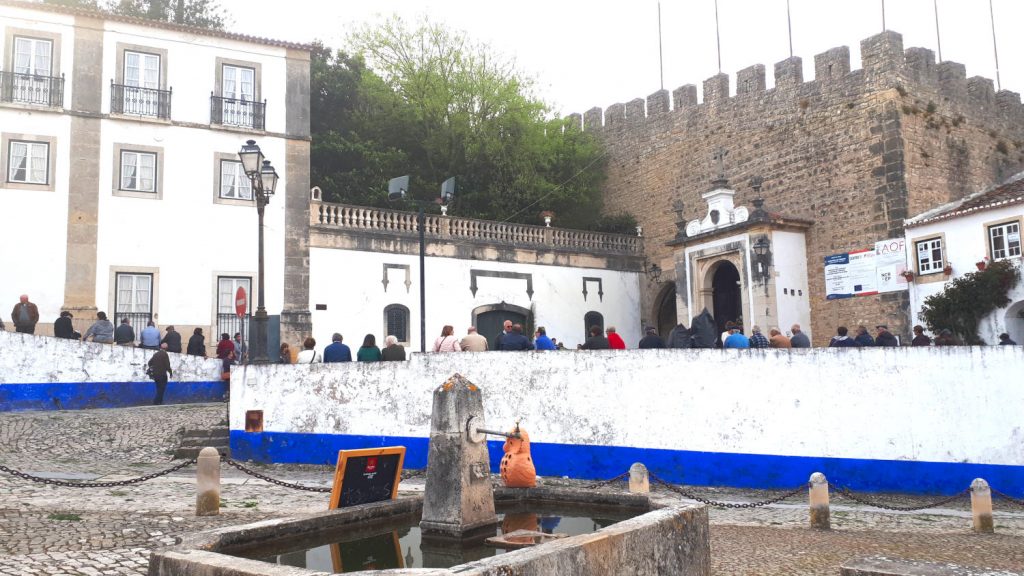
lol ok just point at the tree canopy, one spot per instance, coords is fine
(200, 13)
(428, 101)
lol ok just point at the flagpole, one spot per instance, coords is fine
(883, 15)
(995, 51)
(938, 37)
(661, 58)
(718, 39)
(789, 23)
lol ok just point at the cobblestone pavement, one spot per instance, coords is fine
(52, 530)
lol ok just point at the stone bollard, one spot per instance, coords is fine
(981, 506)
(818, 496)
(639, 482)
(208, 482)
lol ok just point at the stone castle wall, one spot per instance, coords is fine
(856, 151)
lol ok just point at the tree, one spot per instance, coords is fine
(427, 101)
(199, 13)
(91, 4)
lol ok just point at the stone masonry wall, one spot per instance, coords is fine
(854, 151)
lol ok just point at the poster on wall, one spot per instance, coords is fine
(866, 272)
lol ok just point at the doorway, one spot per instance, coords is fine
(665, 309)
(490, 318)
(725, 289)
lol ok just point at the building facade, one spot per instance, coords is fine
(121, 177)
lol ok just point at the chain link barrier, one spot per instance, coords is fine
(717, 504)
(235, 464)
(845, 492)
(604, 483)
(111, 484)
(1007, 497)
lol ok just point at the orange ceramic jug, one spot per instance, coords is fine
(517, 470)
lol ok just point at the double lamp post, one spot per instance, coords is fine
(263, 178)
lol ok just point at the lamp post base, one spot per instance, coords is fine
(258, 343)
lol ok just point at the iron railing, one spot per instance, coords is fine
(235, 112)
(140, 101)
(32, 89)
(230, 323)
(138, 320)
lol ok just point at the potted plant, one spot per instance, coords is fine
(547, 215)
(982, 264)
(947, 269)
(908, 275)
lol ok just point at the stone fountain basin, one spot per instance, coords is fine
(660, 541)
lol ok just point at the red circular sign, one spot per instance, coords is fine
(241, 302)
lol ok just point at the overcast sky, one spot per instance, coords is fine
(586, 54)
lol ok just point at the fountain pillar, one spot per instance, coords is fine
(458, 501)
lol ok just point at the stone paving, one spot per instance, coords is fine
(53, 530)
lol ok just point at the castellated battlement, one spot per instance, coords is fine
(884, 65)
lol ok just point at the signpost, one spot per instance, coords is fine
(241, 306)
(368, 475)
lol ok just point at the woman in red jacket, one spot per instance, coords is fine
(615, 342)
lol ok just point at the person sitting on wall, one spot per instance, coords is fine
(309, 354)
(25, 316)
(197, 344)
(517, 469)
(615, 342)
(473, 341)
(1004, 340)
(124, 335)
(447, 342)
(841, 340)
(101, 331)
(285, 354)
(225, 346)
(737, 340)
(863, 338)
(541, 340)
(729, 325)
(885, 338)
(757, 340)
(173, 340)
(149, 338)
(515, 340)
(651, 339)
(393, 351)
(62, 327)
(798, 339)
(778, 340)
(596, 341)
(337, 351)
(919, 337)
(369, 352)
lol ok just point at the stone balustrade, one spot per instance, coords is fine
(378, 220)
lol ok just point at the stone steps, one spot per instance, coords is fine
(192, 441)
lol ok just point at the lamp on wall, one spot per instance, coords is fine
(762, 258)
(653, 272)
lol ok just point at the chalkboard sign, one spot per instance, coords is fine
(380, 552)
(368, 475)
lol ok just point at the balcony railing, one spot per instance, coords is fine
(138, 101)
(357, 218)
(234, 112)
(32, 89)
(230, 323)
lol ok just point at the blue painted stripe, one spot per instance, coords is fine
(84, 395)
(683, 466)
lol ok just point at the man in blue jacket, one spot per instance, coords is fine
(336, 351)
(515, 340)
(542, 341)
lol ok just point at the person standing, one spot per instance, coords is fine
(447, 342)
(615, 342)
(393, 351)
(841, 340)
(309, 354)
(368, 352)
(596, 341)
(541, 340)
(515, 340)
(197, 343)
(101, 331)
(124, 335)
(651, 339)
(225, 346)
(778, 340)
(799, 339)
(241, 350)
(25, 316)
(473, 342)
(506, 328)
(62, 327)
(150, 336)
(336, 351)
(757, 340)
(885, 338)
(173, 340)
(1005, 340)
(160, 370)
(919, 337)
(863, 338)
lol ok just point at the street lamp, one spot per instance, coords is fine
(397, 189)
(263, 179)
(763, 258)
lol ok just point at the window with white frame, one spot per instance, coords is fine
(227, 287)
(33, 56)
(929, 256)
(134, 294)
(138, 171)
(28, 162)
(233, 181)
(141, 70)
(1004, 240)
(238, 91)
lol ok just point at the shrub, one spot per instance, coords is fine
(968, 299)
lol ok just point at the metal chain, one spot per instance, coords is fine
(718, 504)
(110, 484)
(227, 460)
(1011, 499)
(606, 482)
(847, 493)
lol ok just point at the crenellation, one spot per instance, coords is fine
(750, 80)
(1009, 105)
(684, 97)
(832, 64)
(953, 80)
(881, 55)
(981, 92)
(789, 72)
(574, 122)
(658, 103)
(615, 115)
(635, 110)
(921, 65)
(593, 119)
(716, 89)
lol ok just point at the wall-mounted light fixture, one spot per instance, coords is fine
(653, 272)
(762, 249)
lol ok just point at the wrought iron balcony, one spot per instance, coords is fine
(235, 112)
(138, 101)
(32, 89)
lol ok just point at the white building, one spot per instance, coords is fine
(121, 186)
(957, 238)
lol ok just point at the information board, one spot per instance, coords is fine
(866, 272)
(367, 475)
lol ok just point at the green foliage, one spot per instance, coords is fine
(64, 516)
(199, 13)
(433, 104)
(968, 299)
(90, 4)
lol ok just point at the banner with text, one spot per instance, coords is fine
(868, 271)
